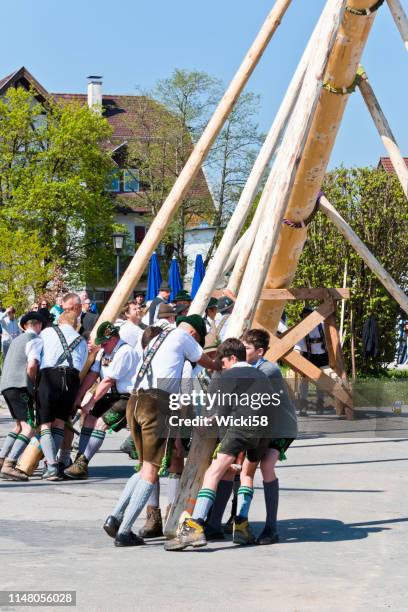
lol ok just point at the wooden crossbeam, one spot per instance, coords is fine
(299, 331)
(305, 294)
(316, 375)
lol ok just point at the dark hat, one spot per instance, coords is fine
(306, 310)
(180, 308)
(105, 332)
(197, 323)
(213, 303)
(164, 287)
(224, 304)
(137, 293)
(183, 296)
(33, 315)
(166, 310)
(47, 316)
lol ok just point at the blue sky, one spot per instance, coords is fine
(132, 43)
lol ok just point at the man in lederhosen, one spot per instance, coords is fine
(18, 380)
(147, 412)
(64, 355)
(313, 347)
(115, 365)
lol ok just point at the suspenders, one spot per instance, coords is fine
(67, 350)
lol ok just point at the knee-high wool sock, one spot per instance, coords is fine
(136, 504)
(205, 500)
(154, 499)
(222, 496)
(245, 495)
(19, 447)
(95, 442)
(173, 487)
(271, 492)
(124, 499)
(48, 446)
(8, 444)
(58, 436)
(84, 439)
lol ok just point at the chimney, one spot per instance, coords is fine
(95, 92)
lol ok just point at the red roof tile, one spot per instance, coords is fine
(387, 165)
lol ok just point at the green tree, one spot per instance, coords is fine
(374, 205)
(53, 174)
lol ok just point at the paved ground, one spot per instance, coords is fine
(343, 525)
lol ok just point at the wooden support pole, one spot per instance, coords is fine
(373, 263)
(170, 206)
(400, 19)
(336, 359)
(384, 131)
(304, 293)
(280, 181)
(340, 73)
(268, 150)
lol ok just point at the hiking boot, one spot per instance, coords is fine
(128, 539)
(128, 447)
(191, 534)
(79, 469)
(52, 474)
(267, 537)
(241, 532)
(111, 526)
(9, 471)
(212, 534)
(153, 527)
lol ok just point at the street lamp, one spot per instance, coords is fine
(118, 240)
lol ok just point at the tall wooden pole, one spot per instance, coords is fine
(268, 150)
(279, 184)
(384, 131)
(340, 75)
(400, 19)
(381, 273)
(170, 206)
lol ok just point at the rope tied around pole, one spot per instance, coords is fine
(342, 91)
(308, 220)
(365, 12)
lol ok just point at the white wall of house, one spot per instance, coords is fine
(130, 221)
(197, 241)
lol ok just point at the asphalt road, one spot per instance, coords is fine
(343, 527)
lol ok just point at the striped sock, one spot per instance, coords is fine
(205, 500)
(95, 442)
(48, 446)
(84, 439)
(19, 447)
(8, 443)
(245, 495)
(57, 436)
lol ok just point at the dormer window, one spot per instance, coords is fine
(124, 181)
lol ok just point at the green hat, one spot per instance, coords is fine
(213, 303)
(105, 332)
(197, 323)
(183, 296)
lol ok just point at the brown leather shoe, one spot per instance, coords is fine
(153, 527)
(9, 471)
(79, 469)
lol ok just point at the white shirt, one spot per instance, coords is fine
(131, 334)
(316, 348)
(34, 349)
(52, 348)
(9, 328)
(164, 324)
(122, 367)
(282, 327)
(168, 362)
